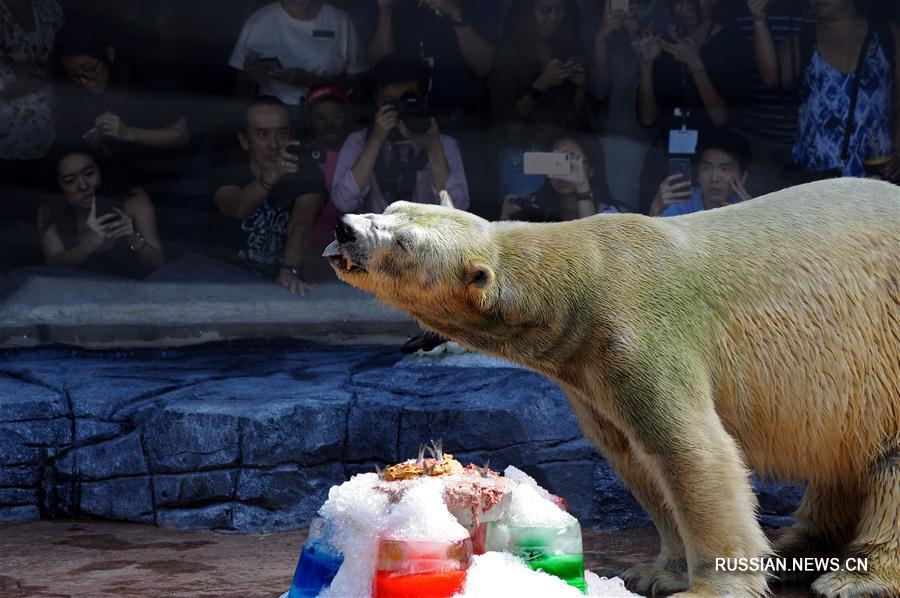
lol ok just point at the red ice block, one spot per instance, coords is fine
(421, 569)
(444, 584)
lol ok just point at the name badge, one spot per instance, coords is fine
(323, 33)
(683, 141)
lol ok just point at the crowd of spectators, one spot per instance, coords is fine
(132, 131)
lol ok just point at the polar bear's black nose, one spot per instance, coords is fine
(344, 232)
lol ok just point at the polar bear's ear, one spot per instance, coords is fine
(479, 277)
(446, 200)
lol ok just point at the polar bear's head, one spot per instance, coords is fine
(431, 261)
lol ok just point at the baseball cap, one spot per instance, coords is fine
(327, 92)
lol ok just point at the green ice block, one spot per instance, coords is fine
(568, 567)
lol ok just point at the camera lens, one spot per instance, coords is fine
(414, 113)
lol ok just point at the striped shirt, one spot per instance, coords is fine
(769, 113)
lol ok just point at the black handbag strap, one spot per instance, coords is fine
(854, 93)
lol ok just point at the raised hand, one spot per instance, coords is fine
(429, 138)
(649, 47)
(385, 120)
(555, 73)
(577, 73)
(758, 8)
(738, 187)
(119, 228)
(96, 236)
(670, 192)
(449, 8)
(683, 49)
(294, 76)
(510, 207)
(632, 24)
(287, 163)
(612, 20)
(111, 125)
(577, 175)
(251, 66)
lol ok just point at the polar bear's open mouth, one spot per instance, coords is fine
(340, 260)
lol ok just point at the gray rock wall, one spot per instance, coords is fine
(251, 439)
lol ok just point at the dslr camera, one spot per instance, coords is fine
(414, 113)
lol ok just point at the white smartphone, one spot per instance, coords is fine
(546, 163)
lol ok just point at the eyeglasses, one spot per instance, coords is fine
(86, 73)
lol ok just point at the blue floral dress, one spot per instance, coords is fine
(826, 104)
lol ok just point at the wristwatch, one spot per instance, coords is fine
(133, 246)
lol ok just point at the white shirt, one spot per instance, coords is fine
(327, 46)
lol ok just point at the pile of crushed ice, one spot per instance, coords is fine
(360, 514)
(502, 574)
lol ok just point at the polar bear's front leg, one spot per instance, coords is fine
(668, 573)
(704, 480)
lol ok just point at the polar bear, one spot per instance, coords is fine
(763, 335)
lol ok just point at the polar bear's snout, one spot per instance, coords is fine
(343, 232)
(347, 252)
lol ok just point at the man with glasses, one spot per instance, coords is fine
(721, 175)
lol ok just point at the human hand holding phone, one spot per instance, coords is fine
(680, 167)
(105, 199)
(576, 176)
(575, 71)
(670, 192)
(546, 163)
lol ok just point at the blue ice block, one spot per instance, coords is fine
(315, 570)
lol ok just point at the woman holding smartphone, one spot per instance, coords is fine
(74, 233)
(580, 193)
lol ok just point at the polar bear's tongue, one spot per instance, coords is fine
(333, 250)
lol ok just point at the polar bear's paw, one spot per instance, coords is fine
(797, 543)
(856, 584)
(654, 580)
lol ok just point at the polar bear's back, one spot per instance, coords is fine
(815, 210)
(806, 282)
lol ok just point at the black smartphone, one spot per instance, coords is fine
(105, 199)
(680, 167)
(308, 150)
(267, 63)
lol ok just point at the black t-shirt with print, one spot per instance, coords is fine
(257, 241)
